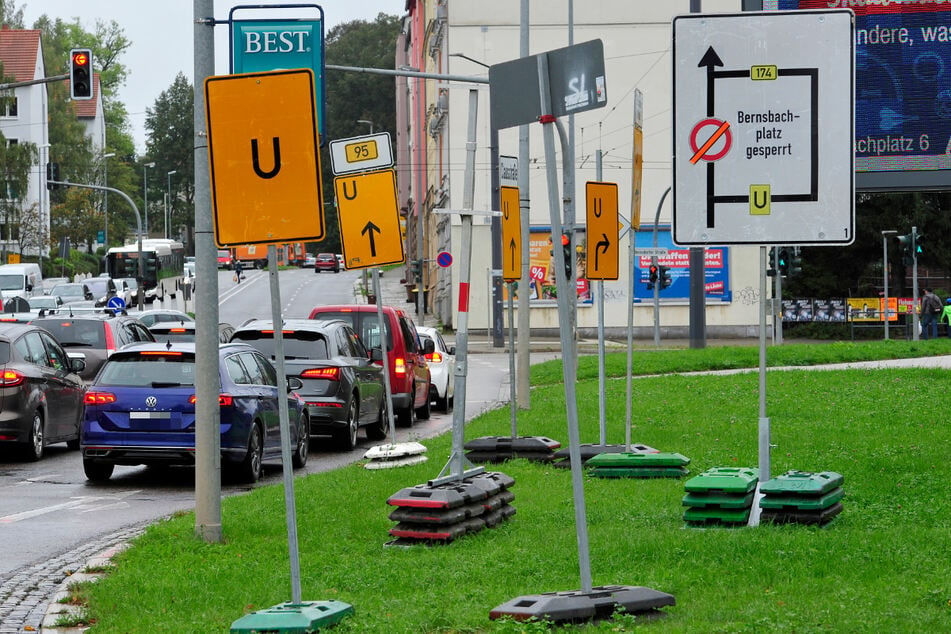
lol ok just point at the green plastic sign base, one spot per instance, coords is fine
(639, 472)
(802, 502)
(638, 460)
(723, 480)
(803, 483)
(722, 500)
(294, 618)
(717, 515)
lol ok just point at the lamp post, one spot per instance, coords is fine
(145, 192)
(105, 200)
(168, 201)
(368, 122)
(885, 235)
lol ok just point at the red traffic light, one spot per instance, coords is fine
(80, 58)
(80, 73)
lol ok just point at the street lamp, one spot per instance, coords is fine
(145, 192)
(105, 203)
(885, 235)
(168, 201)
(368, 122)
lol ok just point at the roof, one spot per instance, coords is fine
(19, 50)
(86, 108)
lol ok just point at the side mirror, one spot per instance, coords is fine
(293, 383)
(77, 361)
(452, 350)
(376, 355)
(429, 346)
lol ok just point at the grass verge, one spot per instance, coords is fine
(882, 565)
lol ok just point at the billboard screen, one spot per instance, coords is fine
(902, 91)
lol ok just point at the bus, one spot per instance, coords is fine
(163, 266)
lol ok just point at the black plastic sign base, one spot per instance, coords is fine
(495, 449)
(577, 606)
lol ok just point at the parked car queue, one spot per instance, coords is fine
(335, 380)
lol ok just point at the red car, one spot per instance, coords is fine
(406, 360)
(326, 262)
(224, 259)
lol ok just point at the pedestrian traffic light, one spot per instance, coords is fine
(52, 174)
(782, 260)
(795, 261)
(906, 242)
(416, 268)
(652, 277)
(919, 240)
(80, 73)
(663, 275)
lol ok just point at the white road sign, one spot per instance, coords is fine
(361, 153)
(763, 128)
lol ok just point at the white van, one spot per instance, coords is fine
(20, 280)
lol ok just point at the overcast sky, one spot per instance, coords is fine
(161, 35)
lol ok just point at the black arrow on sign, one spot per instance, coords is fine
(602, 246)
(369, 228)
(512, 248)
(710, 59)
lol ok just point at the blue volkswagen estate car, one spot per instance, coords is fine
(140, 410)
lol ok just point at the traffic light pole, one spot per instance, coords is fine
(138, 222)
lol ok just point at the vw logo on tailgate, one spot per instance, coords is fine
(151, 401)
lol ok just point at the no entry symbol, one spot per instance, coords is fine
(702, 151)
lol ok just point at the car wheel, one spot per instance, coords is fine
(251, 468)
(347, 437)
(98, 471)
(405, 417)
(36, 441)
(303, 444)
(424, 412)
(443, 403)
(379, 429)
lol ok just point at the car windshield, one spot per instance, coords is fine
(297, 345)
(97, 285)
(130, 283)
(366, 325)
(174, 334)
(68, 290)
(79, 332)
(43, 302)
(152, 370)
(11, 282)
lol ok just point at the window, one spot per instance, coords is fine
(236, 371)
(8, 106)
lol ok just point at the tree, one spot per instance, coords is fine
(16, 162)
(170, 127)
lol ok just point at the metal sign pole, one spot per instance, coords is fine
(567, 336)
(286, 461)
(513, 405)
(388, 394)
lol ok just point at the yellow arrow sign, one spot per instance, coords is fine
(369, 219)
(264, 157)
(511, 234)
(602, 218)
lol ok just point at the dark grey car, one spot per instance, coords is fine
(41, 392)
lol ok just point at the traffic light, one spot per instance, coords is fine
(80, 73)
(416, 268)
(52, 174)
(652, 277)
(907, 248)
(918, 240)
(566, 251)
(771, 262)
(782, 263)
(795, 261)
(664, 276)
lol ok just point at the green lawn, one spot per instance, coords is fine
(882, 565)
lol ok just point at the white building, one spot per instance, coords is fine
(460, 38)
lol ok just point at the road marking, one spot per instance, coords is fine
(17, 517)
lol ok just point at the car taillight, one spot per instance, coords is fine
(330, 374)
(10, 378)
(110, 342)
(99, 398)
(399, 366)
(435, 357)
(224, 400)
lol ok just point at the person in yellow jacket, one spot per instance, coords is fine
(946, 315)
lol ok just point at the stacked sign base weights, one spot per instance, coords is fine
(495, 449)
(439, 514)
(720, 496)
(588, 451)
(802, 497)
(395, 455)
(578, 606)
(307, 616)
(658, 464)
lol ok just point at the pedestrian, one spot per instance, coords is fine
(946, 315)
(237, 271)
(930, 309)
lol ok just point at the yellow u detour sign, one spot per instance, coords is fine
(602, 218)
(369, 219)
(264, 157)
